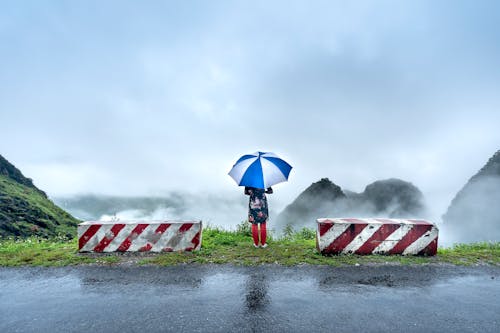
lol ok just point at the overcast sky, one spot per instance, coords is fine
(134, 98)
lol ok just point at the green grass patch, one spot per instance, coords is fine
(35, 251)
(469, 254)
(233, 247)
(26, 211)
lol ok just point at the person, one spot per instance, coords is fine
(258, 213)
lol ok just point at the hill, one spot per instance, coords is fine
(474, 213)
(26, 210)
(384, 198)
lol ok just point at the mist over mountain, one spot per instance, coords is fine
(26, 210)
(212, 209)
(384, 198)
(474, 213)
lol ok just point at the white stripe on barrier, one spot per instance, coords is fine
(171, 232)
(335, 231)
(142, 238)
(422, 242)
(357, 242)
(185, 241)
(94, 240)
(393, 239)
(120, 238)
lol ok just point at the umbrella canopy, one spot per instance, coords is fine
(260, 170)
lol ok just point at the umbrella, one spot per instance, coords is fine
(260, 170)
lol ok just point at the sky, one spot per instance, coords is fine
(145, 98)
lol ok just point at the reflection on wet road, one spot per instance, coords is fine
(250, 299)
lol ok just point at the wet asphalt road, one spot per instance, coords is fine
(250, 299)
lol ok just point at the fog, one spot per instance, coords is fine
(131, 99)
(475, 214)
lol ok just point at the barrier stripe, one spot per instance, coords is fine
(120, 238)
(382, 233)
(391, 240)
(87, 235)
(324, 227)
(345, 238)
(360, 239)
(416, 232)
(333, 232)
(194, 241)
(430, 249)
(185, 227)
(135, 233)
(141, 240)
(94, 240)
(171, 232)
(422, 242)
(158, 234)
(108, 238)
(379, 235)
(181, 240)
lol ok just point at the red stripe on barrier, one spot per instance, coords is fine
(196, 239)
(185, 227)
(162, 228)
(324, 227)
(430, 250)
(346, 237)
(380, 235)
(415, 233)
(146, 248)
(105, 240)
(158, 232)
(89, 233)
(133, 235)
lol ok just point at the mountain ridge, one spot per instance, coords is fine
(25, 210)
(385, 198)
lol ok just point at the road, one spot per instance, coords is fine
(192, 298)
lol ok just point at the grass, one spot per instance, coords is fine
(234, 247)
(27, 211)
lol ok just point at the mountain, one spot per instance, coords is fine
(26, 210)
(474, 213)
(318, 200)
(384, 198)
(395, 197)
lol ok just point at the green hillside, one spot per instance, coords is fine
(25, 210)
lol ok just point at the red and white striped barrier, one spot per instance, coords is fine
(139, 236)
(376, 236)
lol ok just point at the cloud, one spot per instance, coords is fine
(119, 98)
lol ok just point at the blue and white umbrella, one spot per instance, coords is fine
(260, 170)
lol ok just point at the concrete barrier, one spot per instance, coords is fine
(376, 236)
(139, 236)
